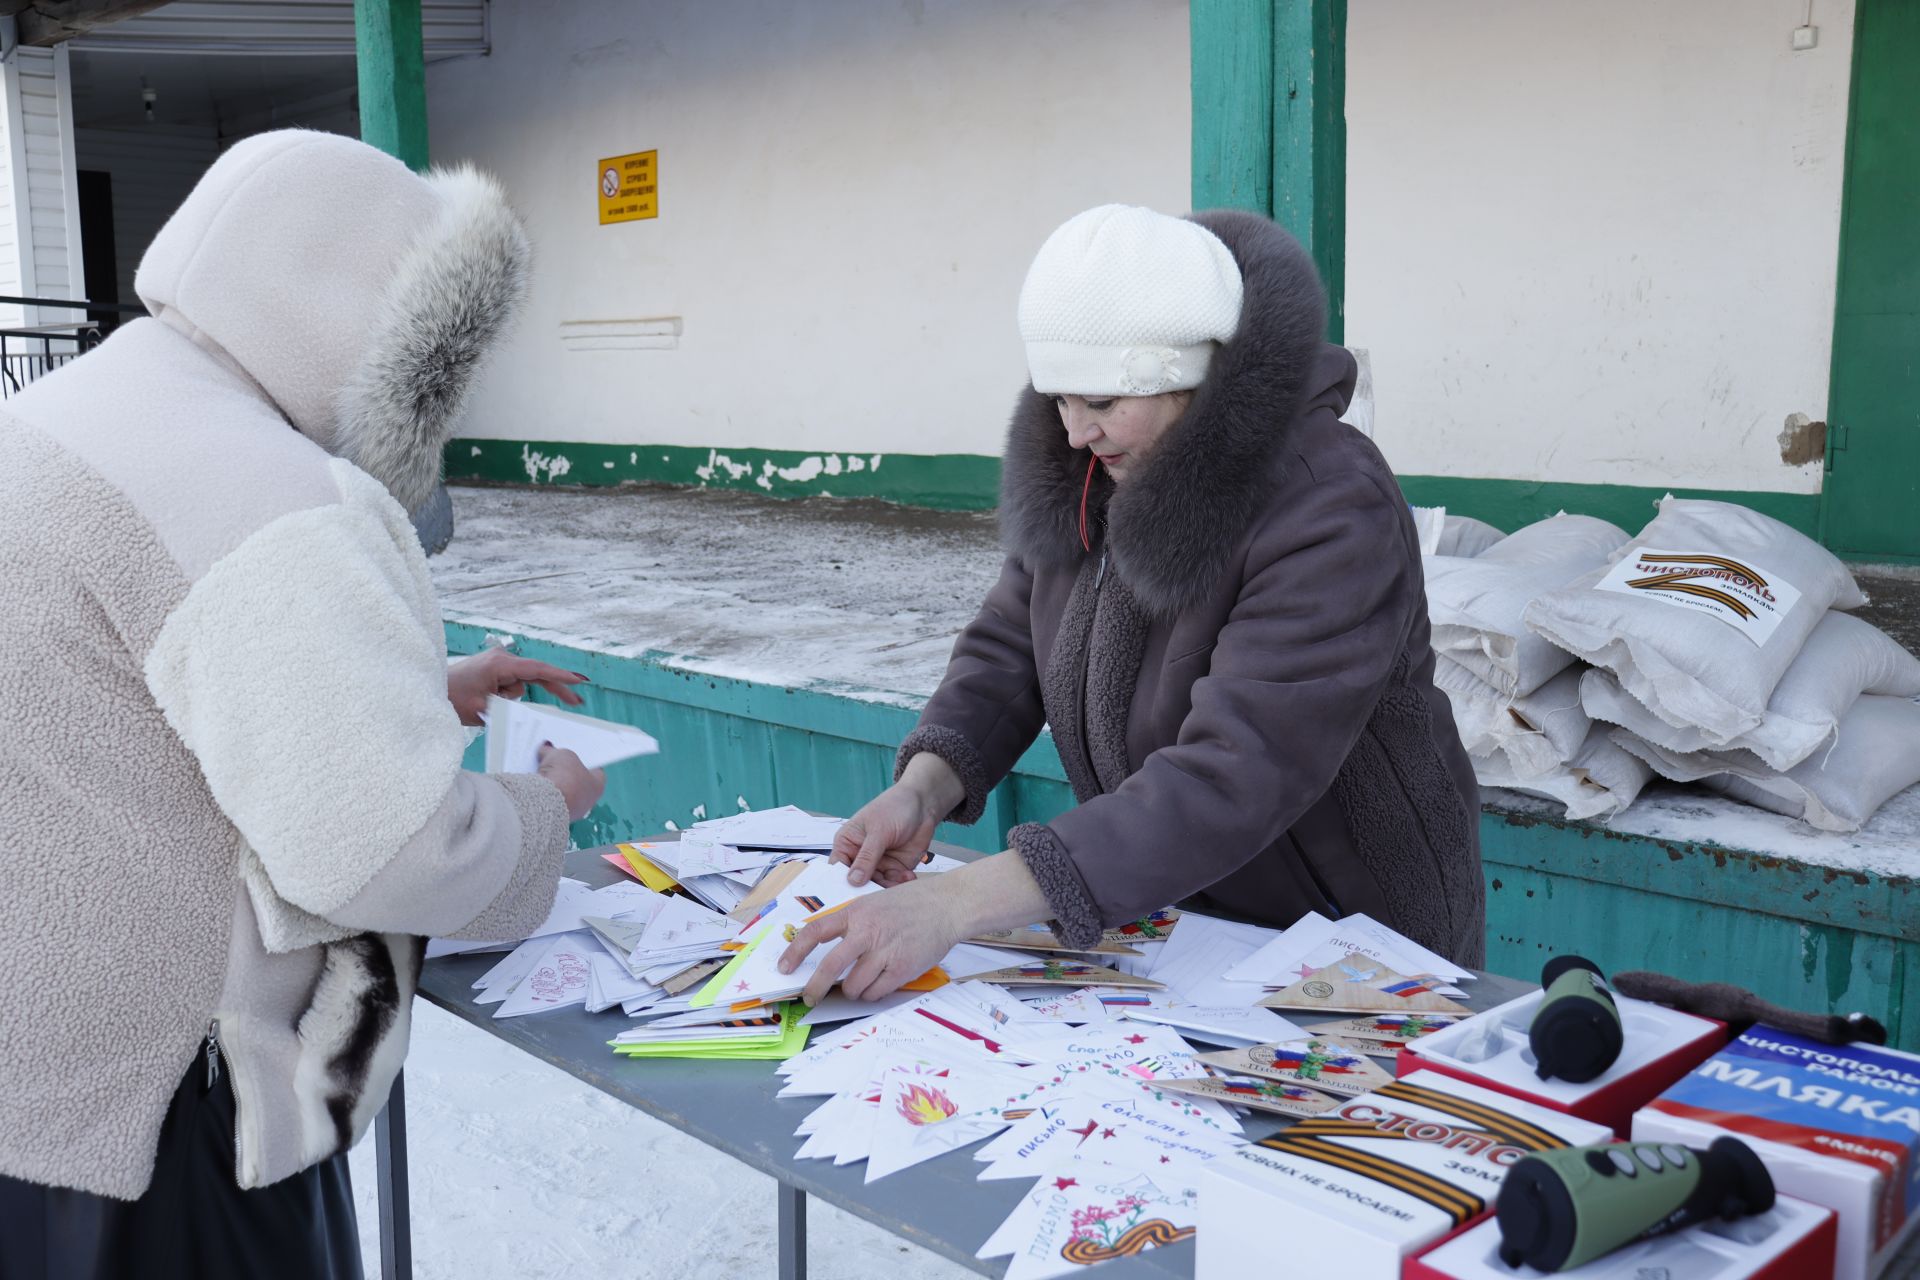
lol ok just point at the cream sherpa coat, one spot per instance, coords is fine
(230, 785)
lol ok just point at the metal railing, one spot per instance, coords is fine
(27, 351)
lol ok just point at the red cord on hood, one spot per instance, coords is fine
(1085, 490)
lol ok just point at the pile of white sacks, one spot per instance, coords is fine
(1714, 647)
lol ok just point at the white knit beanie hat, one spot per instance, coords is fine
(1123, 301)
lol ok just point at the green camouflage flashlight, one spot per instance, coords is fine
(1562, 1209)
(1576, 1032)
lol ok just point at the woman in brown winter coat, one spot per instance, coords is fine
(1213, 596)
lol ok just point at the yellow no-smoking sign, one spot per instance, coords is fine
(629, 187)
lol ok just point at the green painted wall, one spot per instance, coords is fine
(952, 481)
(1873, 411)
(1806, 937)
(971, 482)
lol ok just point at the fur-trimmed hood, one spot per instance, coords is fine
(1172, 530)
(358, 296)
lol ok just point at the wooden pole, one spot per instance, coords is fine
(1310, 139)
(393, 83)
(1269, 91)
(1232, 69)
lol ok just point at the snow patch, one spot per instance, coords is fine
(535, 462)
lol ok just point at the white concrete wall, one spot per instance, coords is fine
(850, 192)
(1595, 242)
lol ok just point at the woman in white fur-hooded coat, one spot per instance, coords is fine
(230, 788)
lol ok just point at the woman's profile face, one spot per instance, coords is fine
(1122, 431)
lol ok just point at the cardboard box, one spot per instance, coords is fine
(1382, 1176)
(1836, 1124)
(1792, 1241)
(1660, 1046)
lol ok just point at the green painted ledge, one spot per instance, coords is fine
(948, 481)
(1805, 936)
(971, 481)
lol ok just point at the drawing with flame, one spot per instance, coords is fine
(924, 1106)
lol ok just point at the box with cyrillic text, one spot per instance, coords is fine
(1835, 1124)
(1355, 1191)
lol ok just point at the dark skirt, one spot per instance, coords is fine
(193, 1221)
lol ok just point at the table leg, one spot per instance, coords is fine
(390, 1158)
(793, 1232)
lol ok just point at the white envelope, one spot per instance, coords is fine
(516, 730)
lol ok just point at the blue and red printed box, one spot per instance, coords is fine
(1838, 1125)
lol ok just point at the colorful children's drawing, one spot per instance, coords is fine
(1312, 1060)
(1157, 925)
(1258, 1088)
(1102, 1232)
(924, 1106)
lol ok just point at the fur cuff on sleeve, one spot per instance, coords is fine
(528, 895)
(952, 746)
(1076, 918)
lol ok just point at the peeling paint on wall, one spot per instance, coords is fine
(535, 462)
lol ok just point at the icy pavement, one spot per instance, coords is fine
(777, 591)
(521, 1172)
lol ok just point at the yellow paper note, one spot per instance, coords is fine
(650, 874)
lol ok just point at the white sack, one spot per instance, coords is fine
(1877, 757)
(1537, 733)
(1598, 782)
(1691, 667)
(1476, 604)
(1465, 536)
(1429, 523)
(1843, 658)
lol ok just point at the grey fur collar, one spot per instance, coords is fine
(451, 297)
(1172, 530)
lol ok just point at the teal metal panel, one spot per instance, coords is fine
(1803, 936)
(1808, 937)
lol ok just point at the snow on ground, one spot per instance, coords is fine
(521, 1172)
(869, 595)
(783, 592)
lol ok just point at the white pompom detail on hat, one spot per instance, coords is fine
(1125, 301)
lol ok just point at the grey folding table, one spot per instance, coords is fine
(938, 1205)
